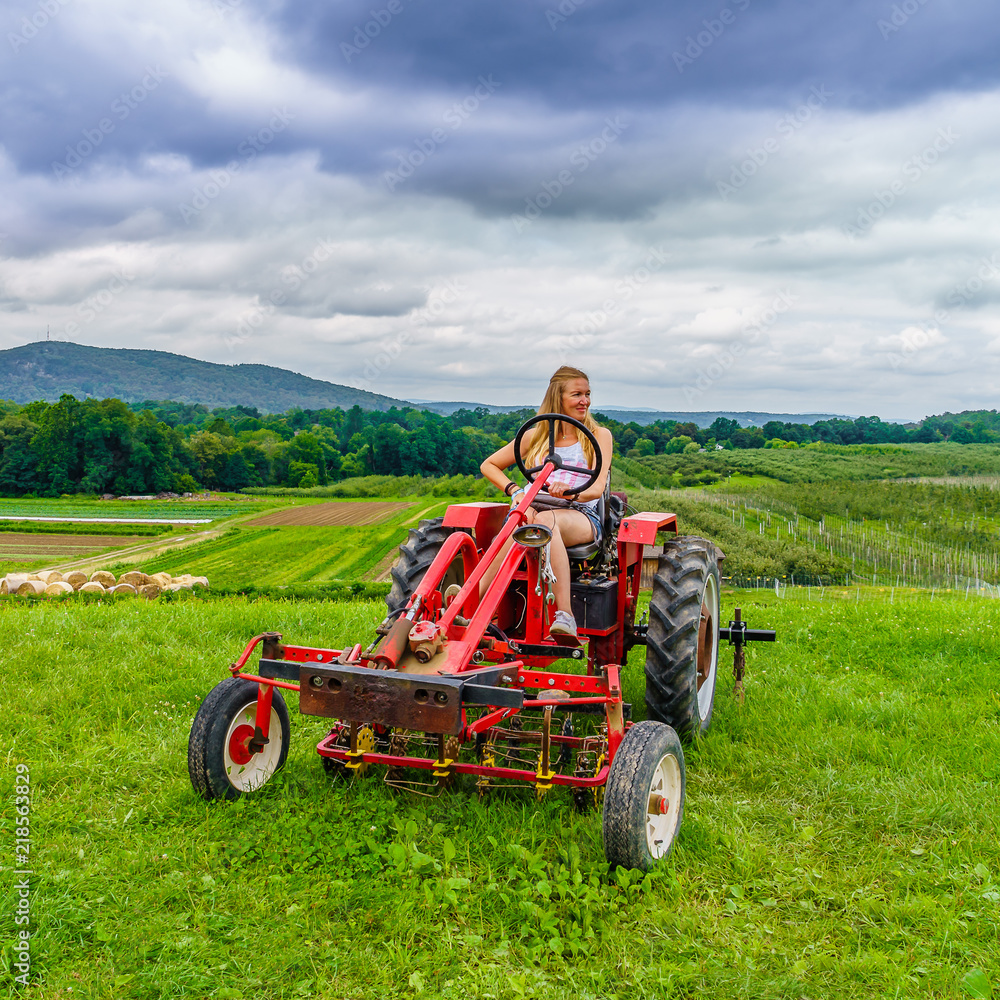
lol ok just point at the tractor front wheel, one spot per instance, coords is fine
(644, 797)
(682, 640)
(222, 760)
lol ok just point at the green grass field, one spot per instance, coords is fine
(280, 556)
(840, 835)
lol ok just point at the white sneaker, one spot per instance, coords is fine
(563, 624)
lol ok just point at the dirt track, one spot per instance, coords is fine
(330, 514)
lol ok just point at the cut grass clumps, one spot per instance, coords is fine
(840, 834)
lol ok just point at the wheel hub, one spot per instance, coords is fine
(706, 639)
(239, 750)
(659, 805)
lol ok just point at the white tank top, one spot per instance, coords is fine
(572, 455)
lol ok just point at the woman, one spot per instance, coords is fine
(578, 523)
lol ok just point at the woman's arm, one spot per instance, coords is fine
(493, 467)
(607, 443)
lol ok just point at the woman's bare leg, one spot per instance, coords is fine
(494, 566)
(569, 527)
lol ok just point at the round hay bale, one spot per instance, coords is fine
(10, 583)
(58, 589)
(48, 576)
(34, 576)
(92, 587)
(103, 577)
(200, 581)
(123, 590)
(183, 578)
(149, 591)
(76, 579)
(172, 588)
(135, 577)
(31, 587)
(161, 579)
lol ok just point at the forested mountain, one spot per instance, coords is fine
(49, 369)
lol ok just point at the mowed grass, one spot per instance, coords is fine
(839, 839)
(281, 556)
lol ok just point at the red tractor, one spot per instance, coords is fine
(458, 682)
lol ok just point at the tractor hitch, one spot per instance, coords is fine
(738, 635)
(424, 702)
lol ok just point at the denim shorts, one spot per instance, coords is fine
(594, 517)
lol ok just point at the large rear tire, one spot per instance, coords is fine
(415, 556)
(644, 797)
(682, 640)
(220, 761)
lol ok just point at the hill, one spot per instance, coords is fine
(700, 418)
(47, 369)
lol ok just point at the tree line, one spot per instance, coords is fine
(96, 446)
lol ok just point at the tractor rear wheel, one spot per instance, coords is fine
(682, 640)
(221, 763)
(644, 796)
(415, 556)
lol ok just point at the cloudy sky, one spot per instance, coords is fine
(768, 205)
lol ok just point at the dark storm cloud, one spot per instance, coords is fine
(561, 68)
(587, 53)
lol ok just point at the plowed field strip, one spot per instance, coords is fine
(330, 515)
(13, 540)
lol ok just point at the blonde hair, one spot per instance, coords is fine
(538, 442)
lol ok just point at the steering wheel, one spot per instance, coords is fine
(552, 419)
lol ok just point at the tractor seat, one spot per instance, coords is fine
(610, 506)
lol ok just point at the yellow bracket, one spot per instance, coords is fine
(443, 768)
(543, 780)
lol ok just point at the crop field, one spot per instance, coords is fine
(284, 555)
(304, 543)
(281, 556)
(818, 463)
(215, 509)
(330, 514)
(940, 534)
(15, 545)
(840, 836)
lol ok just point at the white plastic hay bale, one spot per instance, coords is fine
(135, 577)
(34, 576)
(104, 578)
(58, 588)
(149, 591)
(76, 579)
(199, 581)
(10, 583)
(161, 579)
(184, 578)
(123, 590)
(31, 587)
(172, 588)
(92, 587)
